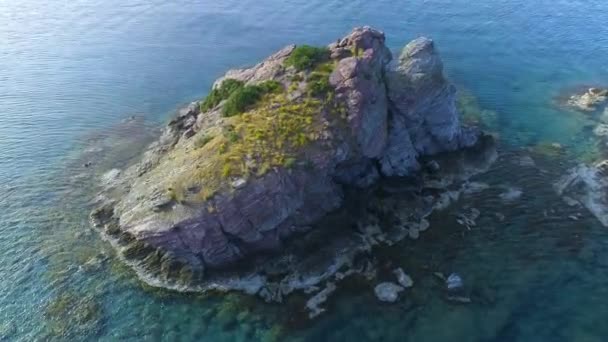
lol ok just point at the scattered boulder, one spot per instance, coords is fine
(459, 299)
(402, 278)
(526, 161)
(455, 290)
(468, 218)
(388, 292)
(587, 185)
(315, 302)
(589, 100)
(511, 194)
(454, 282)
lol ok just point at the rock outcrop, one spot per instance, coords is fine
(589, 100)
(587, 185)
(217, 192)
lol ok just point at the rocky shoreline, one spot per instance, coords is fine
(260, 198)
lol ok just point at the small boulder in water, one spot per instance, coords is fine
(413, 233)
(459, 299)
(454, 282)
(526, 161)
(511, 195)
(388, 292)
(315, 302)
(433, 166)
(601, 130)
(402, 278)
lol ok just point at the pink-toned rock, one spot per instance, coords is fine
(391, 118)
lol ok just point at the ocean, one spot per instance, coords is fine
(87, 79)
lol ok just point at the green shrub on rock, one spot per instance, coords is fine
(318, 84)
(240, 100)
(243, 98)
(220, 93)
(306, 57)
(318, 81)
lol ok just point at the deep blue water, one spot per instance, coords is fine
(72, 71)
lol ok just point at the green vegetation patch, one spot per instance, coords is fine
(220, 93)
(318, 81)
(243, 98)
(238, 96)
(270, 134)
(305, 57)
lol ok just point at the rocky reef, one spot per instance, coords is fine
(588, 101)
(254, 188)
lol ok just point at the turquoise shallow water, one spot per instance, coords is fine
(71, 73)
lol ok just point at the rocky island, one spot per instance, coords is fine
(273, 183)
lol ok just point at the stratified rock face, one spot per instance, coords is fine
(360, 81)
(375, 121)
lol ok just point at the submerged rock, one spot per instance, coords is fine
(387, 292)
(526, 161)
(468, 218)
(314, 303)
(511, 194)
(459, 299)
(454, 282)
(7, 330)
(215, 202)
(589, 100)
(402, 278)
(588, 185)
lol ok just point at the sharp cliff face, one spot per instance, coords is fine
(219, 188)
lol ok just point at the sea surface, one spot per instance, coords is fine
(91, 81)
